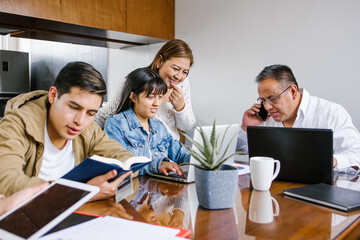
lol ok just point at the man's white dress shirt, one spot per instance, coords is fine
(315, 112)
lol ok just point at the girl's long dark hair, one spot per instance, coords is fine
(138, 81)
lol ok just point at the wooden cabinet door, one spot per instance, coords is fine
(46, 9)
(153, 18)
(104, 14)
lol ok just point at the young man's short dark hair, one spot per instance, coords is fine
(82, 75)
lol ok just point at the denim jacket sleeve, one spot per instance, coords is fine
(152, 167)
(177, 151)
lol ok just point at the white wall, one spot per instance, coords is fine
(122, 61)
(233, 40)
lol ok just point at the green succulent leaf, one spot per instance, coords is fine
(227, 147)
(196, 144)
(213, 135)
(216, 144)
(208, 152)
(194, 164)
(206, 143)
(198, 157)
(221, 162)
(223, 138)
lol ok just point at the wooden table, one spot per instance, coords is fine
(173, 204)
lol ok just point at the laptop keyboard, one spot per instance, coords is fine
(175, 175)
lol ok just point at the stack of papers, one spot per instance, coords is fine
(114, 228)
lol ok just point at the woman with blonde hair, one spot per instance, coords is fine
(172, 63)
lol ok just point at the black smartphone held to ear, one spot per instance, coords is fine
(263, 114)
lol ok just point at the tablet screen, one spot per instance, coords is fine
(34, 215)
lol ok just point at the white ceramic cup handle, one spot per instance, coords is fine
(277, 169)
(277, 208)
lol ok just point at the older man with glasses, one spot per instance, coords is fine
(289, 106)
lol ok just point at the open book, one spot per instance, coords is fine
(95, 165)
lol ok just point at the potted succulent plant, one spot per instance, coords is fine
(216, 182)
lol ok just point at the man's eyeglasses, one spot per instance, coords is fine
(272, 100)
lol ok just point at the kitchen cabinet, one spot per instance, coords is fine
(46, 9)
(109, 14)
(152, 18)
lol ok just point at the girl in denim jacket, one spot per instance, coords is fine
(136, 129)
(172, 62)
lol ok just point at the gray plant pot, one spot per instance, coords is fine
(216, 189)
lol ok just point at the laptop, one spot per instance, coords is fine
(305, 155)
(189, 170)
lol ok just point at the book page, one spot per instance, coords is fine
(109, 227)
(124, 164)
(136, 159)
(108, 160)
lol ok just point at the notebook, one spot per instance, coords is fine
(331, 196)
(305, 155)
(189, 170)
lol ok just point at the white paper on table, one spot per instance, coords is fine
(113, 228)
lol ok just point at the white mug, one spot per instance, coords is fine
(262, 172)
(261, 207)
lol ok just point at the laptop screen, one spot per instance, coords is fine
(306, 155)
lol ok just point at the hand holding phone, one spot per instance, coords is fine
(263, 114)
